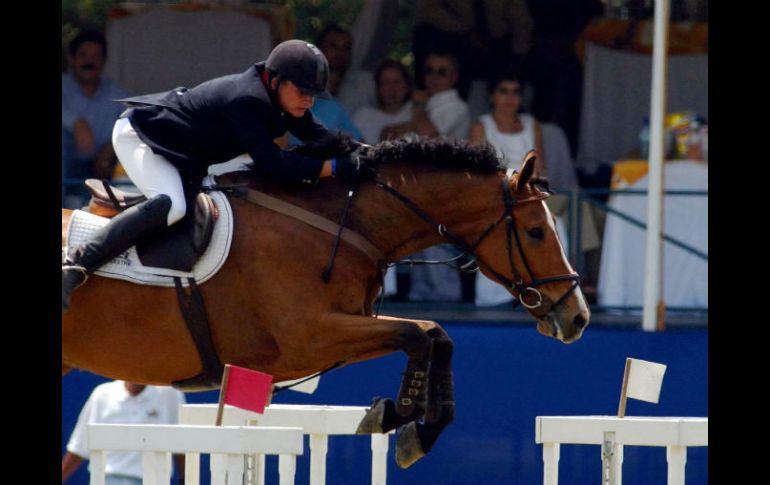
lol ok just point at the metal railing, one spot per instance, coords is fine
(574, 218)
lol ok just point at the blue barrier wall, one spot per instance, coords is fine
(505, 376)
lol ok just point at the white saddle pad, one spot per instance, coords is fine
(128, 267)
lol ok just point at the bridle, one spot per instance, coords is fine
(527, 292)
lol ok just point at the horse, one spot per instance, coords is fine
(270, 310)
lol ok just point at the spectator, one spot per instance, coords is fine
(512, 133)
(394, 88)
(121, 402)
(352, 88)
(437, 111)
(88, 113)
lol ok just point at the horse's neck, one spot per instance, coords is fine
(464, 202)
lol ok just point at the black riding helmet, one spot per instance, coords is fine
(303, 64)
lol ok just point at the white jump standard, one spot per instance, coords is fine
(676, 434)
(229, 444)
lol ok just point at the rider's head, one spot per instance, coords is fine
(297, 73)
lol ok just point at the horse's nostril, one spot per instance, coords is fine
(579, 322)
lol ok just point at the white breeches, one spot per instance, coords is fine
(151, 173)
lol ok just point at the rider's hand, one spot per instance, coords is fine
(84, 137)
(356, 167)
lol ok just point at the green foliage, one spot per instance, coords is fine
(313, 15)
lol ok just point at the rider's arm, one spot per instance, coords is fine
(250, 125)
(307, 128)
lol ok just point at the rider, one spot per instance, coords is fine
(166, 141)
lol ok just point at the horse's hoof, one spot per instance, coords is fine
(408, 446)
(372, 422)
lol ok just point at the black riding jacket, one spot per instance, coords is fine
(222, 119)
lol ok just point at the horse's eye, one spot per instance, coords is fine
(536, 233)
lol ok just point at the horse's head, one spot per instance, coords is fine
(523, 252)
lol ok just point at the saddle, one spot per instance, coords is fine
(177, 247)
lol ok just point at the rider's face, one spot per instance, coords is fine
(292, 100)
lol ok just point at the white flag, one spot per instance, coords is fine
(645, 380)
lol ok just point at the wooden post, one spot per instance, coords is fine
(222, 392)
(622, 404)
(660, 326)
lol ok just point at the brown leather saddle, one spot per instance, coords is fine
(177, 247)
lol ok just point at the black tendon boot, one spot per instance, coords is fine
(117, 236)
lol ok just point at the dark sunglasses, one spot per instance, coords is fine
(441, 71)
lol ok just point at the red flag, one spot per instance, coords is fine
(247, 389)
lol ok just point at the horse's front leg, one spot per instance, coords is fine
(363, 338)
(417, 439)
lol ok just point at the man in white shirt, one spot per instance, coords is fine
(439, 110)
(120, 402)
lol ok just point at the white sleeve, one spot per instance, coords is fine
(452, 121)
(78, 443)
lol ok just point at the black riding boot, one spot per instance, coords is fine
(117, 236)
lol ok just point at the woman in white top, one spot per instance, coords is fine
(394, 89)
(511, 132)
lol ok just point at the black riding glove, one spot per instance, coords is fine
(355, 167)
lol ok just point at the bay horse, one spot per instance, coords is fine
(269, 309)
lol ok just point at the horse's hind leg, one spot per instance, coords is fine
(417, 439)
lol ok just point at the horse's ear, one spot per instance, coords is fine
(527, 169)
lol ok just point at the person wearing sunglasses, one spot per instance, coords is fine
(512, 133)
(438, 110)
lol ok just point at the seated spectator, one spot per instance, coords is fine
(394, 88)
(88, 115)
(121, 402)
(352, 88)
(437, 111)
(512, 133)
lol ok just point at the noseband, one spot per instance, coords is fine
(523, 289)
